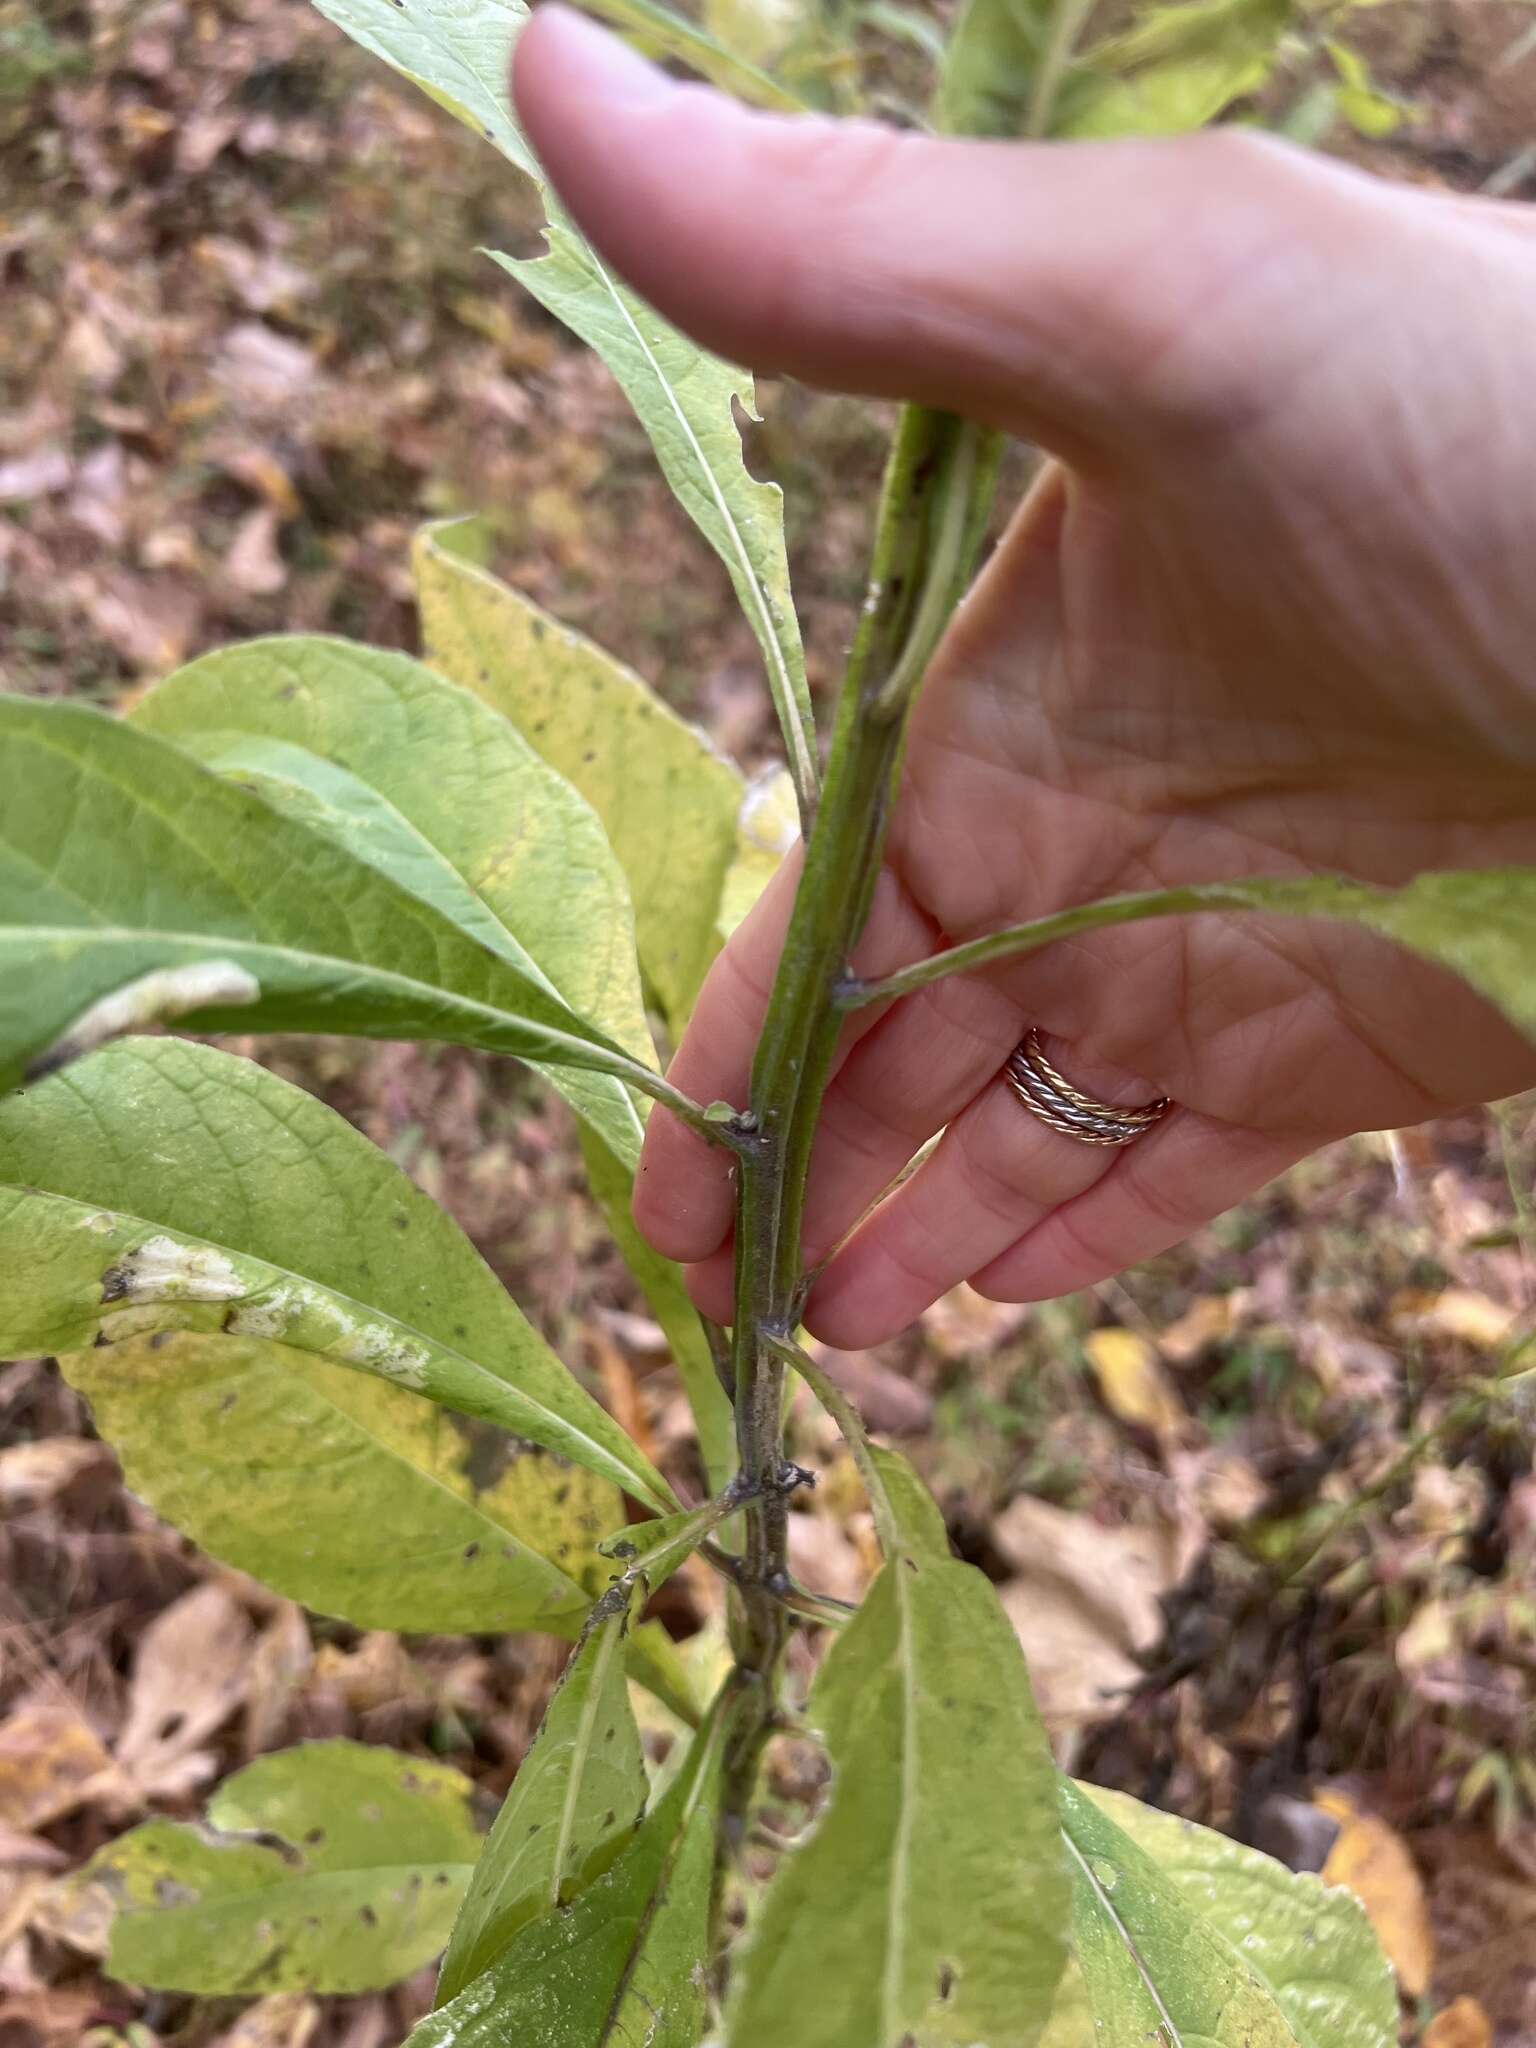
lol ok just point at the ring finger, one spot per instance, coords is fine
(996, 1172)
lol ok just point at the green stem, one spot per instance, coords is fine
(1264, 894)
(1069, 20)
(654, 1565)
(969, 465)
(851, 1424)
(801, 1026)
(716, 1130)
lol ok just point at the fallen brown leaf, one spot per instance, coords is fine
(34, 476)
(1206, 1321)
(192, 1669)
(253, 564)
(963, 1323)
(53, 2017)
(888, 1401)
(824, 1556)
(288, 2020)
(1463, 2024)
(1482, 1895)
(280, 1664)
(1373, 1861)
(51, 1762)
(1085, 1601)
(1456, 1312)
(1133, 1383)
(37, 1471)
(376, 1674)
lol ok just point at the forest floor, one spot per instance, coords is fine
(1263, 1511)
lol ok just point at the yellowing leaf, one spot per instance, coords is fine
(928, 1903)
(667, 800)
(1206, 1321)
(288, 2019)
(320, 1244)
(332, 1866)
(767, 826)
(686, 402)
(1373, 1861)
(317, 936)
(1458, 1312)
(1133, 1383)
(420, 780)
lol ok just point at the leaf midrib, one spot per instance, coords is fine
(581, 1751)
(364, 1312)
(901, 1851)
(263, 1898)
(1106, 1905)
(780, 680)
(594, 1055)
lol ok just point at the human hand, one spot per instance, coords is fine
(1269, 611)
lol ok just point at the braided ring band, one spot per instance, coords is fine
(1049, 1096)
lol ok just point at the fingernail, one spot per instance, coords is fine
(615, 73)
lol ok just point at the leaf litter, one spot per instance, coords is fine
(223, 411)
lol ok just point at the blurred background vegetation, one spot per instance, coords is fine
(1263, 1512)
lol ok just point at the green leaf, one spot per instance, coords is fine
(165, 1186)
(667, 800)
(1176, 68)
(1013, 67)
(999, 71)
(1368, 110)
(422, 781)
(1310, 1943)
(277, 1462)
(728, 60)
(930, 1903)
(460, 52)
(1157, 1966)
(121, 857)
(437, 791)
(1480, 925)
(577, 1798)
(335, 1867)
(625, 1963)
(612, 1187)
(916, 1512)
(685, 401)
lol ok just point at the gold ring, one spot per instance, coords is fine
(1050, 1096)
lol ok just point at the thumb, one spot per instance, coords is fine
(1077, 294)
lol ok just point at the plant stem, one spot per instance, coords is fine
(936, 463)
(715, 1130)
(1284, 896)
(851, 1423)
